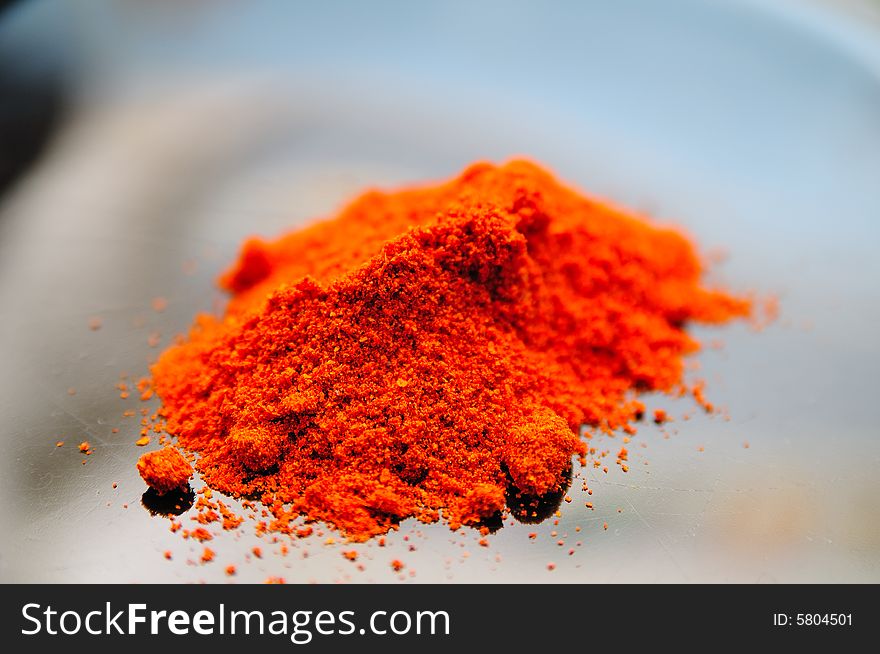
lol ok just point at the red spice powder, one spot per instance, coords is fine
(164, 470)
(428, 352)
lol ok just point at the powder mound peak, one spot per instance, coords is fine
(427, 352)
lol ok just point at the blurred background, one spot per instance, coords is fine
(140, 141)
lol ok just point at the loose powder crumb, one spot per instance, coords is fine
(432, 352)
(164, 470)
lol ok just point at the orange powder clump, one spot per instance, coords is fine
(427, 353)
(164, 470)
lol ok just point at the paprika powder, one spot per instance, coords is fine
(428, 352)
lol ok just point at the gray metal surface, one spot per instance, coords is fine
(756, 130)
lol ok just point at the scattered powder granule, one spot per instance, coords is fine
(164, 470)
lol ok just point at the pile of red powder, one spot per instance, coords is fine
(428, 352)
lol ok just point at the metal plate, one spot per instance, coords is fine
(756, 130)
